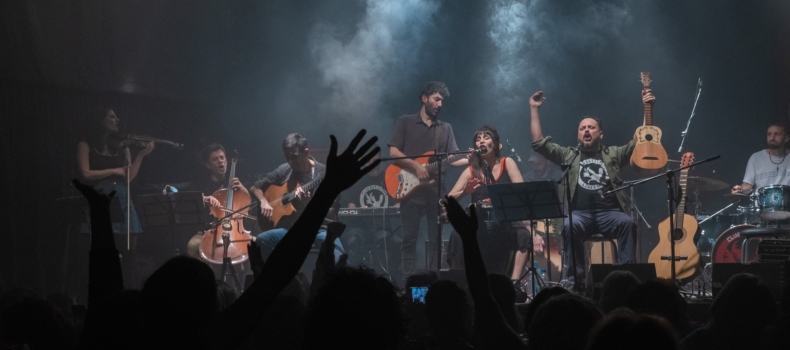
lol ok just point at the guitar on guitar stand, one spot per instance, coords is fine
(682, 233)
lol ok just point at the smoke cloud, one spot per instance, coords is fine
(534, 39)
(380, 55)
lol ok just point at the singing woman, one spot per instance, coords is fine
(486, 168)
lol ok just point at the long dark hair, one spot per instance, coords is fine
(477, 162)
(94, 129)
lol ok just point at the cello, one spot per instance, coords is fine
(229, 238)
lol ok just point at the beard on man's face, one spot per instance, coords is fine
(774, 145)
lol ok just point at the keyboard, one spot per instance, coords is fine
(368, 212)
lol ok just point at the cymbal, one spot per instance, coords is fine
(706, 184)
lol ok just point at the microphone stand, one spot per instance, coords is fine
(440, 158)
(670, 174)
(685, 132)
(566, 167)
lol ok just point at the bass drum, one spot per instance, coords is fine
(728, 247)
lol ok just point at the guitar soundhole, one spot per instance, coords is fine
(649, 137)
(650, 158)
(678, 234)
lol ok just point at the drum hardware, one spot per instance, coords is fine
(736, 195)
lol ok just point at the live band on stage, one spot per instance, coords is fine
(384, 211)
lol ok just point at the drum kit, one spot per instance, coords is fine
(720, 241)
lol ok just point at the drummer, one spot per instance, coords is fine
(768, 166)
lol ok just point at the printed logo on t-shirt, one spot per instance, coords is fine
(770, 174)
(374, 196)
(592, 174)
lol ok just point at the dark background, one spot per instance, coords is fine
(246, 73)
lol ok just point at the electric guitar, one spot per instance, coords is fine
(683, 235)
(649, 155)
(280, 198)
(400, 182)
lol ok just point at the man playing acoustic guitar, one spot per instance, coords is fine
(285, 192)
(417, 134)
(595, 170)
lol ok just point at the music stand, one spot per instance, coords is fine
(182, 208)
(527, 201)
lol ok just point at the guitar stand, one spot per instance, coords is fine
(670, 175)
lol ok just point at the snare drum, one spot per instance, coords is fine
(774, 202)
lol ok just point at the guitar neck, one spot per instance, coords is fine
(435, 165)
(681, 209)
(648, 114)
(306, 187)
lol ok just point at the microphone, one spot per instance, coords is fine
(172, 189)
(600, 193)
(513, 152)
(480, 150)
(699, 83)
(578, 147)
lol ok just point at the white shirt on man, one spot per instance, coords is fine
(763, 170)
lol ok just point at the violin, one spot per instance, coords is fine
(229, 238)
(127, 140)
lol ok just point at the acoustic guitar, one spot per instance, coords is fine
(281, 198)
(683, 235)
(649, 155)
(401, 182)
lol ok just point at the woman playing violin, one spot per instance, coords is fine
(105, 165)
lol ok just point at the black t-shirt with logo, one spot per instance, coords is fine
(593, 180)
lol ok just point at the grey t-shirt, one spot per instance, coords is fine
(763, 170)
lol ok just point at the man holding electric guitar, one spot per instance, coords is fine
(284, 193)
(594, 168)
(412, 181)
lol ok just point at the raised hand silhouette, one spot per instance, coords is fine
(346, 169)
(256, 259)
(464, 223)
(94, 197)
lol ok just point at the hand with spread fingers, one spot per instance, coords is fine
(463, 223)
(345, 169)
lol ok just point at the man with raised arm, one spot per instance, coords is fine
(595, 169)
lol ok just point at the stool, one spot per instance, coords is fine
(588, 243)
(599, 238)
